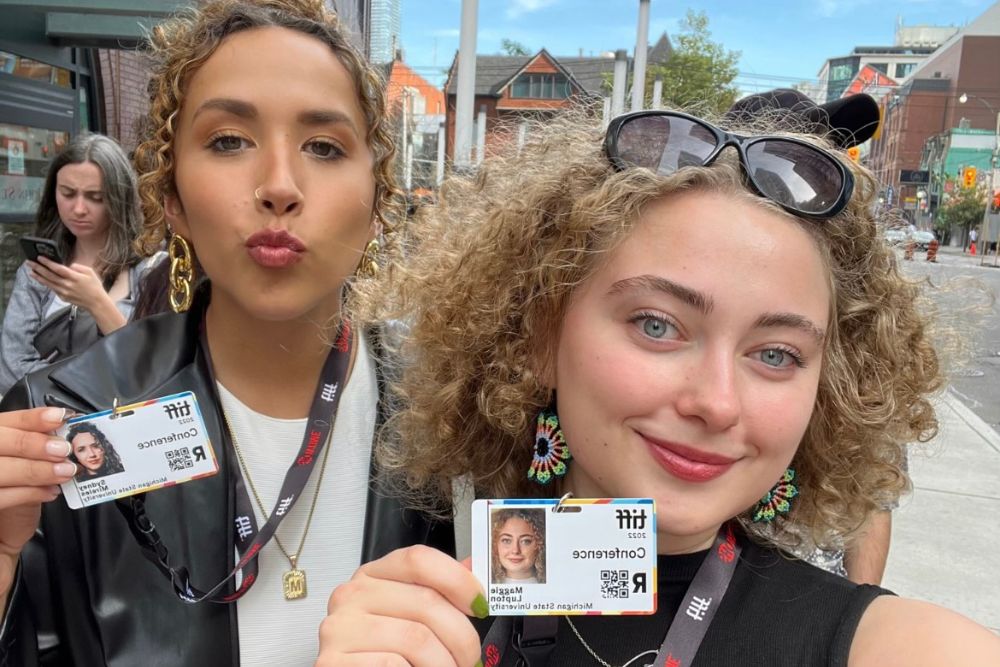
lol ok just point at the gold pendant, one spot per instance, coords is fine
(294, 584)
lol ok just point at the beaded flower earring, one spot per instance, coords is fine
(551, 451)
(777, 500)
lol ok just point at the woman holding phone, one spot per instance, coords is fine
(267, 167)
(90, 212)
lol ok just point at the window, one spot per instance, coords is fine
(903, 69)
(32, 69)
(541, 87)
(881, 67)
(25, 153)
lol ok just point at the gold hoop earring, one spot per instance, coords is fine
(181, 273)
(368, 268)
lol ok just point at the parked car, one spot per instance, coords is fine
(899, 236)
(896, 236)
(923, 239)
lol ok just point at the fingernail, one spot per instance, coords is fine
(58, 448)
(64, 469)
(55, 491)
(54, 415)
(479, 663)
(479, 607)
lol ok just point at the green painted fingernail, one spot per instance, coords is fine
(479, 607)
(479, 663)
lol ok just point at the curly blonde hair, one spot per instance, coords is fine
(534, 518)
(179, 46)
(487, 279)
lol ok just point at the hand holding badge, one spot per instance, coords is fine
(570, 556)
(137, 448)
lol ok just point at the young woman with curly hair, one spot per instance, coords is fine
(518, 546)
(92, 452)
(266, 164)
(719, 326)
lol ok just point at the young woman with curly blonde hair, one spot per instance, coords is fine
(266, 165)
(716, 323)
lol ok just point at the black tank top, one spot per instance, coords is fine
(778, 612)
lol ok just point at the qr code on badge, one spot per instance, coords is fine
(179, 459)
(614, 583)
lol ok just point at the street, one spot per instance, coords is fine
(966, 300)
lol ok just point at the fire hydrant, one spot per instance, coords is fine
(932, 249)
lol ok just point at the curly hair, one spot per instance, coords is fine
(487, 279)
(534, 518)
(179, 46)
(112, 463)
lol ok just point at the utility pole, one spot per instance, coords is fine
(641, 49)
(466, 97)
(618, 84)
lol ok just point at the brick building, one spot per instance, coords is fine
(418, 111)
(930, 103)
(510, 88)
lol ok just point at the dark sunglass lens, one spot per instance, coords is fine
(798, 176)
(664, 144)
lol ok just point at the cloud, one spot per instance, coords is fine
(520, 7)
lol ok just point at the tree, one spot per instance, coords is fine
(962, 208)
(513, 48)
(699, 74)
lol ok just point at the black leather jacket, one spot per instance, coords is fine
(85, 594)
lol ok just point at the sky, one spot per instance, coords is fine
(781, 42)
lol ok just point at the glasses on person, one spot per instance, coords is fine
(799, 177)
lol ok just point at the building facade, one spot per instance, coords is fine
(385, 27)
(911, 46)
(418, 111)
(509, 89)
(956, 89)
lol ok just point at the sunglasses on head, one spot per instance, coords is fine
(799, 177)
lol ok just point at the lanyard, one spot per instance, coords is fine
(249, 540)
(534, 636)
(702, 600)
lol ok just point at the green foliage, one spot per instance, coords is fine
(699, 74)
(963, 208)
(511, 47)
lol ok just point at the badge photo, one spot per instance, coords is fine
(137, 448)
(574, 556)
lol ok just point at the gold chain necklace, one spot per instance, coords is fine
(293, 582)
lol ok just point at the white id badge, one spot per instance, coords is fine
(137, 448)
(577, 556)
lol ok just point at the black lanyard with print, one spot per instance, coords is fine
(249, 540)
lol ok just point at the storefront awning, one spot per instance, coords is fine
(94, 23)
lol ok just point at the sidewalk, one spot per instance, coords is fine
(946, 535)
(953, 255)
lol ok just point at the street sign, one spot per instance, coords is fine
(914, 176)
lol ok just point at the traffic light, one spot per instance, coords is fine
(969, 177)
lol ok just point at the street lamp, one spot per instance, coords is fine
(994, 162)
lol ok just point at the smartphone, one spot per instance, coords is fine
(35, 247)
